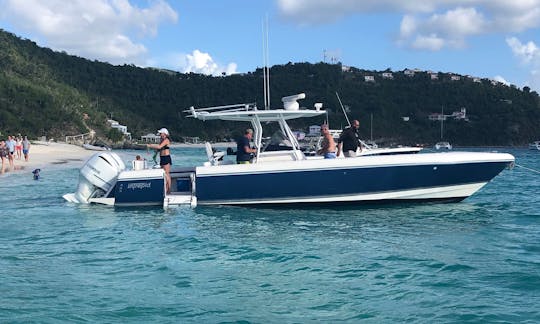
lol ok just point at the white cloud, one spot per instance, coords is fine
(200, 62)
(99, 29)
(440, 30)
(316, 11)
(500, 79)
(431, 42)
(429, 25)
(527, 53)
(529, 56)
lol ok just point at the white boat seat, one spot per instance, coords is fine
(214, 157)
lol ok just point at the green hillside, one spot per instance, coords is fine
(43, 92)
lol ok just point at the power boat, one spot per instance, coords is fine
(443, 146)
(535, 145)
(287, 176)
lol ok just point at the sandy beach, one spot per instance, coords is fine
(44, 155)
(47, 155)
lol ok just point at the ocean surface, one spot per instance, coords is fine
(477, 261)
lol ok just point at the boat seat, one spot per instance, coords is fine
(214, 157)
(139, 164)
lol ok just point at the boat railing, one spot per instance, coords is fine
(285, 155)
(226, 108)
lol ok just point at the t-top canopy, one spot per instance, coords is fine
(249, 112)
(249, 115)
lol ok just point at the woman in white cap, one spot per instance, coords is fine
(164, 155)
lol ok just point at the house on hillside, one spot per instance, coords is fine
(436, 116)
(150, 138)
(457, 115)
(462, 114)
(121, 128)
(409, 73)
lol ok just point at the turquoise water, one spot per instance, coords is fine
(474, 261)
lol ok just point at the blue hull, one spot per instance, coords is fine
(139, 192)
(288, 185)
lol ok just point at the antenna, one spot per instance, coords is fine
(442, 121)
(345, 113)
(343, 108)
(266, 69)
(371, 128)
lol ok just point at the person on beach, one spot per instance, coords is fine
(4, 153)
(328, 146)
(18, 147)
(165, 160)
(10, 143)
(243, 150)
(348, 141)
(26, 148)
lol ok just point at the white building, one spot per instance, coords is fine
(409, 73)
(369, 78)
(121, 128)
(437, 116)
(150, 138)
(387, 75)
(462, 114)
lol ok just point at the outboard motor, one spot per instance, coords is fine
(97, 176)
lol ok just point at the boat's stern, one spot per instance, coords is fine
(139, 188)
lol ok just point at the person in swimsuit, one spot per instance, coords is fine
(328, 146)
(164, 155)
(18, 147)
(4, 153)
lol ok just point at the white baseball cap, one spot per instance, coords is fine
(163, 131)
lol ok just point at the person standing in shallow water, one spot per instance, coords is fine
(165, 160)
(26, 148)
(10, 143)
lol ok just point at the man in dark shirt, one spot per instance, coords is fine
(243, 149)
(348, 141)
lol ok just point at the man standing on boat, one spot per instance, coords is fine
(348, 141)
(243, 149)
(328, 146)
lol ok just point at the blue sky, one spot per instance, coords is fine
(494, 39)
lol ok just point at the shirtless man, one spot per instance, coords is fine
(328, 146)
